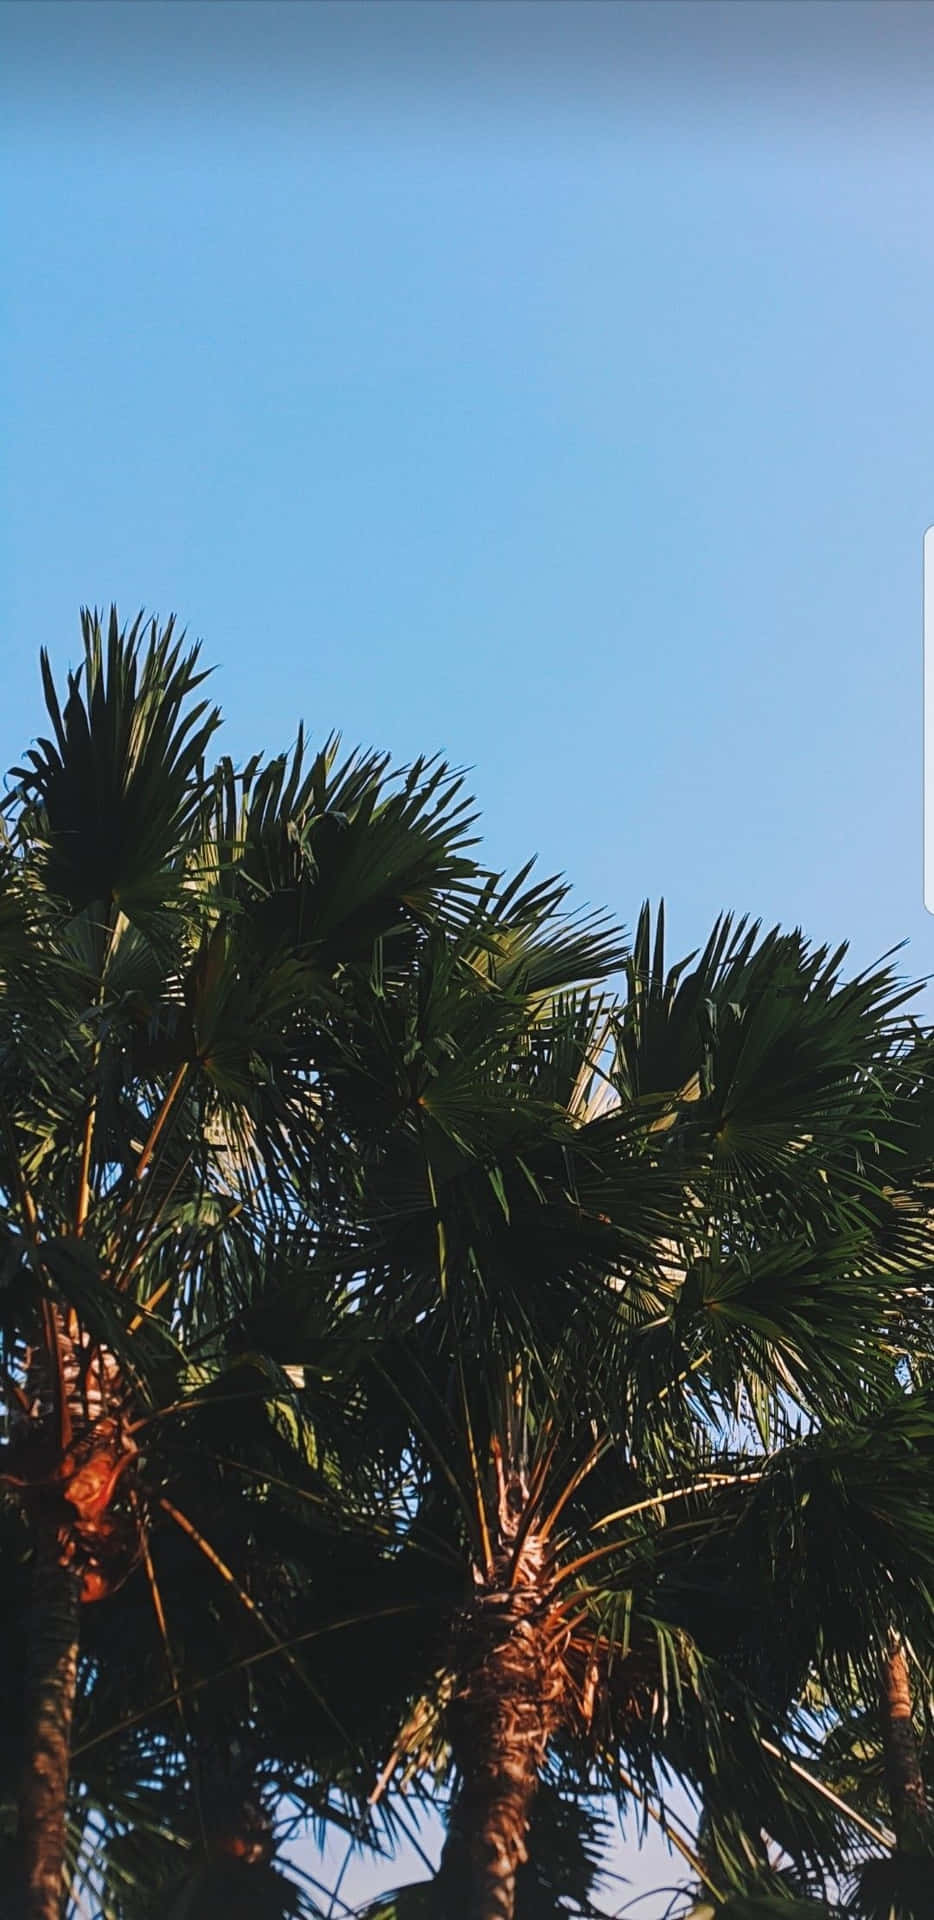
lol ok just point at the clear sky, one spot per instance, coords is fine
(550, 385)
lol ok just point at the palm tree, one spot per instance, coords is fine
(173, 950)
(835, 1543)
(868, 1738)
(193, 1728)
(907, 1789)
(205, 1724)
(606, 1245)
(875, 1750)
(272, 1047)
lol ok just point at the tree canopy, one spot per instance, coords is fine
(451, 1355)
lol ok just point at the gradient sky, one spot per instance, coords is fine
(548, 385)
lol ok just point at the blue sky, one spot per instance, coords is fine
(547, 385)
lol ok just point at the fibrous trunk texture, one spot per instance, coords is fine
(69, 1453)
(76, 1435)
(911, 1815)
(509, 1698)
(50, 1693)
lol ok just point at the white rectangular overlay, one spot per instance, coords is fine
(929, 719)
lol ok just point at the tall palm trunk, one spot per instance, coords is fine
(500, 1724)
(509, 1698)
(73, 1448)
(911, 1815)
(52, 1667)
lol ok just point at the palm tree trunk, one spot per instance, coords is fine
(75, 1430)
(507, 1705)
(911, 1815)
(487, 1836)
(51, 1676)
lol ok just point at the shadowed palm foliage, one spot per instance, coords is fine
(174, 947)
(637, 1271)
(875, 1750)
(358, 1242)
